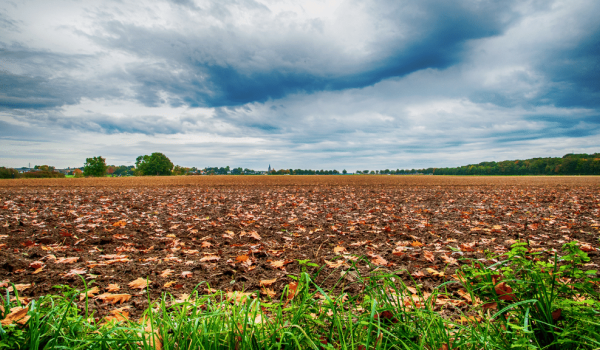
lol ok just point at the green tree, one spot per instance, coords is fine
(154, 164)
(95, 166)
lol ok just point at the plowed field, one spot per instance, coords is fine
(232, 232)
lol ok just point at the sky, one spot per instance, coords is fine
(315, 84)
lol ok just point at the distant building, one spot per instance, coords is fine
(269, 168)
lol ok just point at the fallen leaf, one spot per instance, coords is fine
(20, 287)
(112, 287)
(17, 314)
(169, 284)
(241, 258)
(186, 274)
(428, 256)
(90, 293)
(435, 273)
(66, 260)
(113, 298)
(37, 265)
(210, 258)
(416, 244)
(118, 315)
(449, 260)
(139, 283)
(504, 291)
(339, 250)
(266, 283)
(120, 223)
(206, 244)
(268, 292)
(166, 273)
(237, 297)
(278, 264)
(336, 264)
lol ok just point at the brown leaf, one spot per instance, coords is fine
(339, 250)
(378, 260)
(210, 258)
(139, 283)
(166, 273)
(416, 244)
(435, 273)
(21, 286)
(241, 258)
(206, 244)
(336, 264)
(112, 288)
(428, 256)
(66, 260)
(278, 264)
(449, 260)
(556, 314)
(37, 265)
(169, 284)
(90, 293)
(268, 292)
(120, 223)
(266, 283)
(186, 274)
(17, 314)
(113, 298)
(504, 291)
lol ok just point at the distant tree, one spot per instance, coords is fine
(344, 172)
(154, 164)
(44, 168)
(78, 173)
(95, 166)
(8, 173)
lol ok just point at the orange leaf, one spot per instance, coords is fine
(168, 284)
(241, 258)
(186, 274)
(112, 287)
(166, 273)
(268, 292)
(139, 283)
(429, 256)
(417, 244)
(113, 298)
(266, 283)
(17, 314)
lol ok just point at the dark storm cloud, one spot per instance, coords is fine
(576, 73)
(429, 35)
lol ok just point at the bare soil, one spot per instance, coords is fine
(230, 232)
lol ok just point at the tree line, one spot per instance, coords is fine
(159, 164)
(569, 164)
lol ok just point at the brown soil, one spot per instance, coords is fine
(179, 223)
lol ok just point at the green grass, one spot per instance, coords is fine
(383, 314)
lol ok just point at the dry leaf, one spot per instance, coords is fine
(169, 284)
(112, 288)
(90, 293)
(241, 258)
(166, 273)
(113, 298)
(339, 250)
(278, 264)
(266, 283)
(268, 292)
(434, 272)
(504, 291)
(20, 287)
(416, 244)
(139, 283)
(449, 260)
(17, 314)
(336, 264)
(428, 256)
(66, 260)
(186, 274)
(210, 258)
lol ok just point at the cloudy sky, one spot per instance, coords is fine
(321, 84)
